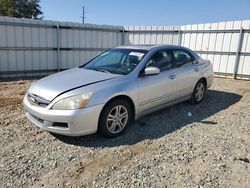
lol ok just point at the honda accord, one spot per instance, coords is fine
(117, 86)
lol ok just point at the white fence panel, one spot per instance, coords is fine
(218, 42)
(31, 47)
(137, 35)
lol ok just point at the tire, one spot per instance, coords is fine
(114, 118)
(199, 92)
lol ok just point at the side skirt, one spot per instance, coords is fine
(160, 107)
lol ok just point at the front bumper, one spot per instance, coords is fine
(79, 122)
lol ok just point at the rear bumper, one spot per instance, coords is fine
(76, 122)
(210, 81)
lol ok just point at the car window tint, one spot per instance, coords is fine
(183, 58)
(162, 60)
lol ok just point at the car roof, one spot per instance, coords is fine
(150, 47)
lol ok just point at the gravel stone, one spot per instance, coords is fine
(206, 145)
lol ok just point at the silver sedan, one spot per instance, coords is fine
(119, 85)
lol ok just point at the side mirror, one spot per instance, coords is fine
(151, 71)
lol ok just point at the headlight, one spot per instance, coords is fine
(73, 102)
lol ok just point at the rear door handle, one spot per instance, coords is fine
(196, 69)
(172, 77)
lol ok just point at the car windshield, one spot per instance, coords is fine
(116, 61)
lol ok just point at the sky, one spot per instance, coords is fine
(146, 12)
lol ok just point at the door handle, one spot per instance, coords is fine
(172, 77)
(196, 69)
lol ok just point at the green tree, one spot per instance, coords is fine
(21, 8)
(6, 8)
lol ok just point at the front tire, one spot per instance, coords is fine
(199, 92)
(114, 118)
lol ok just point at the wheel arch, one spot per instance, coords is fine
(204, 80)
(122, 97)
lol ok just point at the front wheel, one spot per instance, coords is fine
(199, 92)
(114, 118)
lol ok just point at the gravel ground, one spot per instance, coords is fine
(168, 148)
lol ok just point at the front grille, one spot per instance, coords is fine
(37, 118)
(37, 100)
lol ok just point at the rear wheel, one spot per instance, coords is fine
(114, 118)
(199, 92)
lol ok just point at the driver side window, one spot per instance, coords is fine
(161, 59)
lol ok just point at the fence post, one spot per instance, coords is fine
(237, 55)
(179, 36)
(123, 36)
(58, 47)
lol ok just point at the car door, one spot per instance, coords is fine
(156, 90)
(186, 68)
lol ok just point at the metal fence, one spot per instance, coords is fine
(32, 47)
(225, 44)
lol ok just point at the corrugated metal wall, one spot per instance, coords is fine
(222, 45)
(31, 47)
(225, 44)
(152, 35)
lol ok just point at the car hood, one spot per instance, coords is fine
(51, 86)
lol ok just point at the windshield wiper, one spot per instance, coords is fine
(101, 70)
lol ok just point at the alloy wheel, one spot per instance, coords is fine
(117, 119)
(199, 92)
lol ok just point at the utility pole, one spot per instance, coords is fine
(83, 14)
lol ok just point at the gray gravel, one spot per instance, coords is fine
(169, 148)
